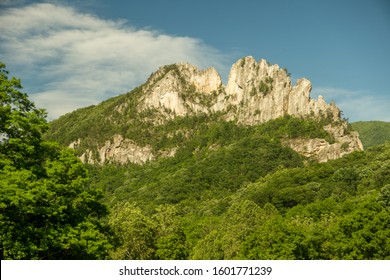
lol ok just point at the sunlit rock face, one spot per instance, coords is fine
(256, 92)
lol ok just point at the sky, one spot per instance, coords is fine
(72, 54)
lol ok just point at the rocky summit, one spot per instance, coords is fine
(256, 92)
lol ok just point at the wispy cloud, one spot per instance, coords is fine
(68, 59)
(356, 105)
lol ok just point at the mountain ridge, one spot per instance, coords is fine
(256, 92)
(372, 133)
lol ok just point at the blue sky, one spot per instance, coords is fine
(71, 54)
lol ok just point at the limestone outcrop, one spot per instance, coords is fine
(118, 150)
(263, 92)
(167, 89)
(319, 149)
(256, 92)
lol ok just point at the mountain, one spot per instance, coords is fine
(372, 132)
(156, 118)
(192, 169)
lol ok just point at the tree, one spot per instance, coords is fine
(48, 210)
(135, 233)
(171, 240)
(21, 123)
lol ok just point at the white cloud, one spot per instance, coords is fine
(356, 105)
(69, 59)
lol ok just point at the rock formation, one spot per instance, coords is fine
(264, 92)
(167, 89)
(321, 150)
(256, 92)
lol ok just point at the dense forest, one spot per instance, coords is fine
(250, 199)
(230, 192)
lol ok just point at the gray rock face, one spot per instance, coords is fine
(321, 150)
(166, 89)
(256, 92)
(265, 92)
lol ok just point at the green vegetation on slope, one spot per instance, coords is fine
(230, 192)
(221, 206)
(95, 124)
(123, 115)
(372, 133)
(235, 193)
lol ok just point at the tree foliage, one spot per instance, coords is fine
(48, 210)
(235, 193)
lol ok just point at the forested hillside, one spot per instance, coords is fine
(215, 188)
(372, 132)
(251, 198)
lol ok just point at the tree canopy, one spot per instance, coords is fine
(48, 209)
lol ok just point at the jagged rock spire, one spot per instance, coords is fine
(256, 92)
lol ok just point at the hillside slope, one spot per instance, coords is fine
(372, 133)
(234, 201)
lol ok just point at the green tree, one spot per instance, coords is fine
(135, 233)
(273, 240)
(364, 232)
(48, 210)
(171, 240)
(21, 124)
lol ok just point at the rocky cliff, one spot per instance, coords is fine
(264, 92)
(256, 92)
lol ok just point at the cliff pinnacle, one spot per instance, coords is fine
(256, 92)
